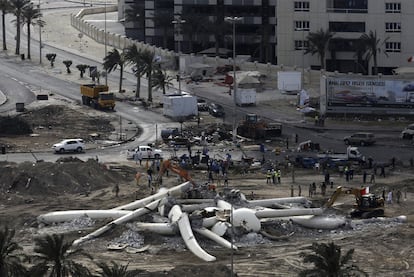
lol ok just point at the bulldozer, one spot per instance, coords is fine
(255, 128)
(367, 205)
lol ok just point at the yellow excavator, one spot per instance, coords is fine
(367, 204)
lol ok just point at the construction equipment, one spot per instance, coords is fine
(205, 191)
(367, 204)
(97, 96)
(255, 128)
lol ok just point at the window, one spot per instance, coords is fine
(301, 25)
(301, 44)
(392, 27)
(301, 6)
(336, 26)
(393, 7)
(393, 47)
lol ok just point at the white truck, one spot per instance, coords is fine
(289, 81)
(352, 154)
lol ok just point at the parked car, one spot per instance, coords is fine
(69, 145)
(408, 132)
(145, 151)
(361, 138)
(202, 105)
(216, 110)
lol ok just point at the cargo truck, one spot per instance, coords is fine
(97, 96)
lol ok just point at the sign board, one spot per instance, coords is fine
(368, 92)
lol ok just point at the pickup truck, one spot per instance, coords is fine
(146, 152)
(352, 154)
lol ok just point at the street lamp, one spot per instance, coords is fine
(106, 50)
(178, 23)
(233, 20)
(40, 23)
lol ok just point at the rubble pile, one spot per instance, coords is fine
(69, 175)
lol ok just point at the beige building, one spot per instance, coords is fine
(348, 20)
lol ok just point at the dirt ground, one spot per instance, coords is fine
(30, 189)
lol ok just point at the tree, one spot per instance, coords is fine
(117, 270)
(147, 58)
(51, 58)
(328, 262)
(161, 80)
(17, 7)
(318, 44)
(372, 43)
(67, 63)
(10, 258)
(54, 255)
(5, 8)
(112, 61)
(360, 48)
(133, 56)
(82, 68)
(29, 14)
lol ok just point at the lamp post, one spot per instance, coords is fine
(233, 20)
(40, 37)
(178, 23)
(105, 42)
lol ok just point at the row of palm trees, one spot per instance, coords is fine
(144, 63)
(25, 13)
(54, 257)
(368, 46)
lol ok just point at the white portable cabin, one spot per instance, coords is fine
(179, 105)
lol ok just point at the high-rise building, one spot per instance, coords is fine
(347, 20)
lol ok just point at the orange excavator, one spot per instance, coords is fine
(367, 204)
(198, 191)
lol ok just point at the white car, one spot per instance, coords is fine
(69, 145)
(145, 151)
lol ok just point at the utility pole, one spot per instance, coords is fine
(178, 23)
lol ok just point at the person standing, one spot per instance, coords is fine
(279, 175)
(310, 190)
(116, 190)
(389, 197)
(364, 177)
(292, 191)
(149, 180)
(274, 176)
(299, 190)
(398, 195)
(268, 176)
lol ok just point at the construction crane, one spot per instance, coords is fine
(367, 204)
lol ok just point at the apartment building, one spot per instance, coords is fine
(205, 29)
(348, 20)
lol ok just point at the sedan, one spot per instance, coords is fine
(216, 110)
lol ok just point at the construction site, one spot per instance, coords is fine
(30, 191)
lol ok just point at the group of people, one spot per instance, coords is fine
(273, 176)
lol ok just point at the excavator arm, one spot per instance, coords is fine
(174, 167)
(343, 190)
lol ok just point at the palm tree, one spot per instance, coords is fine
(29, 14)
(5, 8)
(55, 258)
(112, 61)
(117, 270)
(10, 259)
(147, 58)
(318, 44)
(328, 262)
(372, 43)
(161, 80)
(133, 56)
(17, 7)
(360, 48)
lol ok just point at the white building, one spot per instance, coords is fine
(348, 20)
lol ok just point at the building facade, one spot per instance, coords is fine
(206, 29)
(390, 20)
(276, 31)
